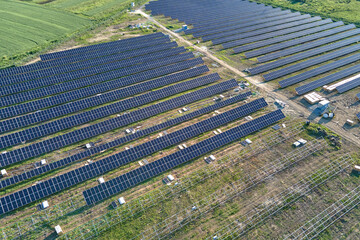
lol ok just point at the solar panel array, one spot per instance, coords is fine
(266, 33)
(63, 181)
(72, 137)
(153, 169)
(98, 47)
(348, 86)
(97, 149)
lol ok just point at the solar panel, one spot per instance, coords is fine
(42, 103)
(249, 16)
(73, 106)
(235, 20)
(358, 116)
(358, 96)
(66, 73)
(276, 36)
(240, 35)
(298, 41)
(348, 86)
(328, 79)
(303, 55)
(104, 111)
(88, 59)
(57, 142)
(314, 44)
(317, 71)
(99, 47)
(97, 149)
(238, 25)
(102, 166)
(310, 62)
(139, 175)
(252, 28)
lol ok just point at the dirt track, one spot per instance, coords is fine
(300, 110)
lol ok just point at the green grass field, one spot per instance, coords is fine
(25, 26)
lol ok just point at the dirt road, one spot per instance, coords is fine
(299, 109)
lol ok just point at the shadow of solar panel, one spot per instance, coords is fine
(99, 47)
(42, 103)
(252, 28)
(139, 175)
(328, 79)
(301, 56)
(102, 166)
(311, 62)
(298, 41)
(310, 45)
(317, 71)
(52, 144)
(236, 25)
(276, 36)
(69, 97)
(240, 35)
(104, 111)
(97, 149)
(348, 86)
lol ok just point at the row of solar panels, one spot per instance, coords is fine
(73, 106)
(63, 181)
(66, 139)
(272, 35)
(77, 54)
(129, 138)
(139, 175)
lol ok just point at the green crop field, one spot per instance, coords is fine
(25, 26)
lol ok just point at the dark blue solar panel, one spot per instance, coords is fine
(235, 20)
(59, 99)
(328, 79)
(348, 86)
(283, 27)
(52, 144)
(104, 111)
(69, 97)
(252, 28)
(311, 62)
(85, 68)
(238, 25)
(139, 175)
(298, 41)
(310, 45)
(97, 149)
(276, 36)
(358, 116)
(100, 47)
(102, 166)
(317, 71)
(303, 55)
